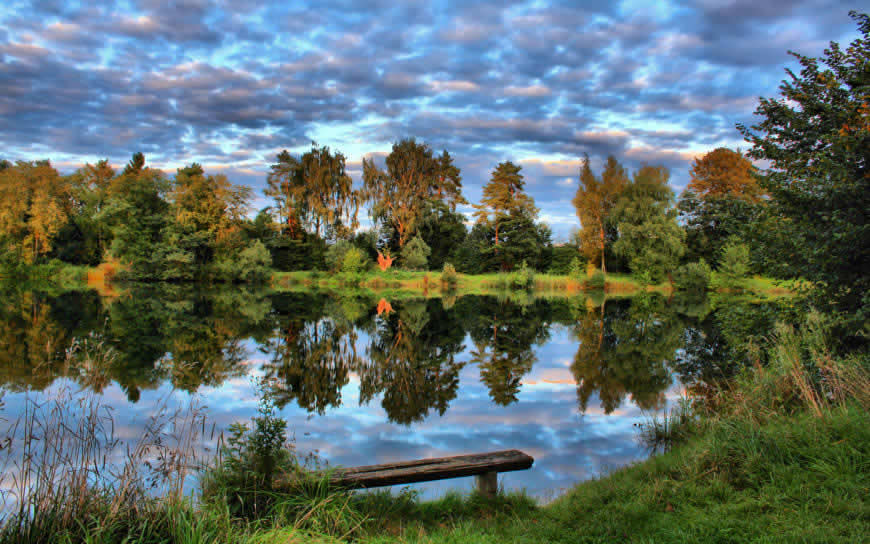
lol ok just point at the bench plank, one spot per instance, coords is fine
(424, 470)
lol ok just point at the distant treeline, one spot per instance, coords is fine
(197, 226)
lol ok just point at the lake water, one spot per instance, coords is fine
(369, 379)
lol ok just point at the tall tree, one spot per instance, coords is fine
(315, 191)
(723, 172)
(649, 237)
(594, 202)
(33, 208)
(816, 137)
(414, 176)
(502, 195)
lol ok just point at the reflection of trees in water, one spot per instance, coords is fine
(411, 360)
(625, 351)
(504, 333)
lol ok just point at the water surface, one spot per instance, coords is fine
(363, 379)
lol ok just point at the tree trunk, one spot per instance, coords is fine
(603, 268)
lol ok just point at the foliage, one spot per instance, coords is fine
(815, 137)
(504, 199)
(734, 263)
(314, 192)
(724, 173)
(693, 277)
(649, 237)
(442, 229)
(414, 176)
(711, 221)
(449, 277)
(252, 264)
(523, 277)
(34, 206)
(594, 203)
(354, 263)
(334, 256)
(415, 254)
(577, 267)
(597, 280)
(563, 257)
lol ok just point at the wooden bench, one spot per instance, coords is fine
(485, 466)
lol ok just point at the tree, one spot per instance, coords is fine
(415, 254)
(502, 195)
(711, 221)
(398, 195)
(649, 236)
(33, 208)
(723, 172)
(443, 230)
(816, 137)
(137, 212)
(594, 202)
(314, 192)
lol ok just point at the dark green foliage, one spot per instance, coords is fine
(815, 137)
(334, 257)
(472, 255)
(711, 221)
(442, 230)
(563, 256)
(693, 277)
(523, 277)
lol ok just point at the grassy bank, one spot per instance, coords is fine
(781, 454)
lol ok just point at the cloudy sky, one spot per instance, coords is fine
(229, 84)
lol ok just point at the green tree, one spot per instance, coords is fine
(398, 195)
(443, 231)
(711, 221)
(815, 137)
(415, 254)
(502, 195)
(137, 212)
(734, 263)
(649, 236)
(594, 202)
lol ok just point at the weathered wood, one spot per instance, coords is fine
(487, 484)
(425, 470)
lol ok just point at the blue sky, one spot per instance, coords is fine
(229, 84)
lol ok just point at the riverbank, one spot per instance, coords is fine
(779, 454)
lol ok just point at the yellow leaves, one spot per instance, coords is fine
(723, 172)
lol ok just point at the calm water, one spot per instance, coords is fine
(363, 380)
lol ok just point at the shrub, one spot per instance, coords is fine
(734, 263)
(523, 278)
(252, 264)
(415, 254)
(577, 267)
(449, 277)
(354, 264)
(693, 277)
(335, 253)
(596, 280)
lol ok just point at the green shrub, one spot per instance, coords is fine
(577, 267)
(354, 265)
(252, 264)
(693, 277)
(415, 254)
(335, 253)
(734, 262)
(523, 278)
(449, 277)
(596, 281)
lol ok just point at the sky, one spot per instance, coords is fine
(229, 84)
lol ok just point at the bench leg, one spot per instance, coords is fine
(487, 484)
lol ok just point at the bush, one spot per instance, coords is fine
(577, 267)
(335, 253)
(596, 280)
(734, 263)
(693, 277)
(415, 254)
(523, 278)
(354, 264)
(252, 264)
(449, 277)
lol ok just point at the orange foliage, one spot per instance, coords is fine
(384, 306)
(384, 262)
(723, 172)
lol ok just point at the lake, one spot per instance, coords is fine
(365, 379)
